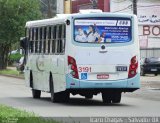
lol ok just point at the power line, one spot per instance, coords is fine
(119, 1)
(43, 3)
(128, 7)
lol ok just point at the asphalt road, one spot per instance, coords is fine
(14, 93)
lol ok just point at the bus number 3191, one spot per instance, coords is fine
(84, 69)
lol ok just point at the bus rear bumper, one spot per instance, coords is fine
(126, 84)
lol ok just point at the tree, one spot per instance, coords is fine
(13, 16)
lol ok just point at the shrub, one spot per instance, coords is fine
(14, 58)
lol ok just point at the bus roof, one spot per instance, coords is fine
(61, 18)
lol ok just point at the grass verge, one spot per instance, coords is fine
(12, 115)
(11, 72)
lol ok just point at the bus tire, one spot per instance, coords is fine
(60, 96)
(106, 97)
(116, 97)
(63, 96)
(36, 93)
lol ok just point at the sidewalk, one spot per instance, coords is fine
(150, 81)
(12, 68)
(150, 88)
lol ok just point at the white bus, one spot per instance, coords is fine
(83, 53)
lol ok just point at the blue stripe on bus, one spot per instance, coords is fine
(125, 83)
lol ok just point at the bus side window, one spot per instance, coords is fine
(32, 34)
(31, 46)
(64, 38)
(44, 39)
(58, 38)
(36, 40)
(49, 38)
(40, 40)
(47, 34)
(28, 33)
(54, 30)
(61, 40)
(31, 42)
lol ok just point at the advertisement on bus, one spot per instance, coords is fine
(102, 30)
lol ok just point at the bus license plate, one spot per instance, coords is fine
(153, 70)
(102, 76)
(121, 68)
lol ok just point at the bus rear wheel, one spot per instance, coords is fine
(60, 96)
(106, 97)
(116, 97)
(156, 74)
(36, 93)
(111, 97)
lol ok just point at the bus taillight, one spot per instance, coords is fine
(73, 66)
(133, 67)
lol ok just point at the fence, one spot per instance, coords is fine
(151, 52)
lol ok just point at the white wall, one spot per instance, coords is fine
(148, 13)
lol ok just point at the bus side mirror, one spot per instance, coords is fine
(24, 42)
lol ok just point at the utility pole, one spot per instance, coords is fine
(67, 6)
(135, 7)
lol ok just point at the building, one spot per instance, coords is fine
(104, 5)
(148, 13)
(73, 6)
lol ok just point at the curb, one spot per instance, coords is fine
(13, 76)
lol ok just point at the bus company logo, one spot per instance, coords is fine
(40, 64)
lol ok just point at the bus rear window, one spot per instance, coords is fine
(102, 30)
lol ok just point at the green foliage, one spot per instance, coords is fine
(9, 72)
(13, 16)
(14, 58)
(12, 115)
